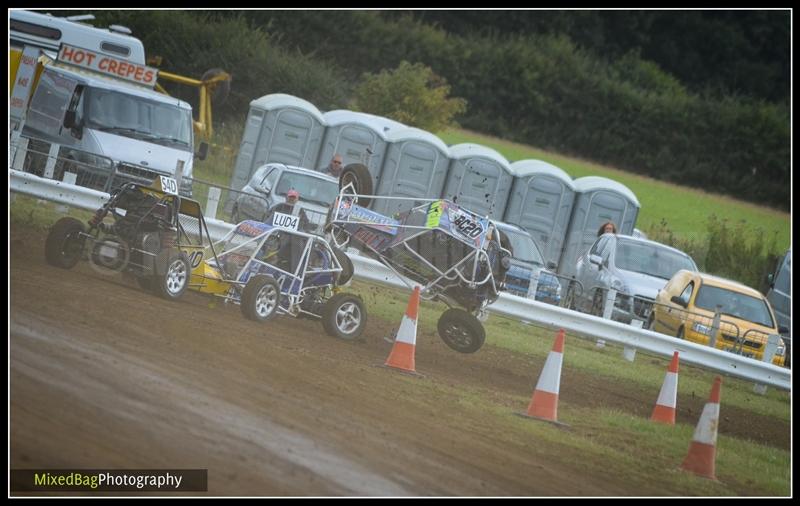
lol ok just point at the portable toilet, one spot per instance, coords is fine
(279, 128)
(415, 166)
(479, 179)
(541, 202)
(359, 137)
(597, 201)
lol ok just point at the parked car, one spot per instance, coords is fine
(637, 268)
(685, 308)
(779, 296)
(527, 263)
(270, 183)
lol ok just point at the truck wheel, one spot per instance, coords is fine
(461, 331)
(260, 298)
(357, 174)
(347, 266)
(63, 246)
(172, 277)
(344, 316)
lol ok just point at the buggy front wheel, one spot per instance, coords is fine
(172, 277)
(260, 298)
(461, 331)
(344, 316)
(63, 246)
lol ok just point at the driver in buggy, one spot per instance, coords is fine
(289, 207)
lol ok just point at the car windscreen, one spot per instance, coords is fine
(650, 259)
(138, 118)
(523, 248)
(311, 189)
(735, 304)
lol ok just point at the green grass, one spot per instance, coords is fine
(581, 353)
(685, 210)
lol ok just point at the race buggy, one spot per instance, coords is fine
(273, 268)
(163, 240)
(452, 253)
(153, 234)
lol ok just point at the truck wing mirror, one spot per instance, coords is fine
(202, 151)
(677, 300)
(71, 120)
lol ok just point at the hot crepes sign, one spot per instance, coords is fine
(108, 65)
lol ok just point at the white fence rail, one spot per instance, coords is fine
(510, 306)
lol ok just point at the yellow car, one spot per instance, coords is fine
(686, 306)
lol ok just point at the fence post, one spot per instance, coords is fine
(69, 178)
(608, 308)
(712, 339)
(769, 354)
(534, 284)
(52, 158)
(179, 174)
(212, 202)
(628, 352)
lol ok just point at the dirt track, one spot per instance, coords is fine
(105, 375)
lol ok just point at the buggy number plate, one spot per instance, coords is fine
(286, 221)
(169, 185)
(468, 227)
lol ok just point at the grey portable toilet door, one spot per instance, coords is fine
(541, 219)
(603, 206)
(415, 174)
(288, 141)
(477, 188)
(247, 148)
(352, 143)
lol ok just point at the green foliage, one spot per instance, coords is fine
(411, 94)
(735, 251)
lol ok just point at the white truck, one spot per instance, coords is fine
(97, 105)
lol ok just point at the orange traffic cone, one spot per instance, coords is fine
(664, 411)
(703, 449)
(402, 355)
(544, 403)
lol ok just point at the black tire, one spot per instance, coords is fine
(172, 275)
(220, 90)
(63, 247)
(358, 174)
(344, 316)
(347, 266)
(260, 298)
(461, 331)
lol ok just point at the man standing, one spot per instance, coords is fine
(334, 168)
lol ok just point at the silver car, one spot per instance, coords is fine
(270, 183)
(636, 268)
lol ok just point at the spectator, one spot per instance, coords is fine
(334, 168)
(607, 228)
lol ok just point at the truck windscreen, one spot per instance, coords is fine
(138, 118)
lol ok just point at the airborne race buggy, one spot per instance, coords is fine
(455, 255)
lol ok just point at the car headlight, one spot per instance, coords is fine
(781, 351)
(702, 329)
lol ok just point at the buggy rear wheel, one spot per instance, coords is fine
(64, 245)
(172, 277)
(461, 331)
(260, 298)
(344, 316)
(358, 175)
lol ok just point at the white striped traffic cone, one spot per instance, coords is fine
(544, 403)
(402, 354)
(703, 450)
(664, 411)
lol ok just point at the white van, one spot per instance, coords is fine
(28, 28)
(99, 105)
